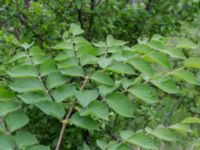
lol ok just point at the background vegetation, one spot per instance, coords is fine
(115, 74)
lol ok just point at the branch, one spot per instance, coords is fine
(80, 17)
(148, 6)
(91, 19)
(65, 121)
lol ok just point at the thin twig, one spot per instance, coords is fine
(65, 121)
(91, 19)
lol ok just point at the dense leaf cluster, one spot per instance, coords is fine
(136, 96)
(69, 86)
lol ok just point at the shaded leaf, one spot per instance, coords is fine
(38, 147)
(191, 120)
(102, 78)
(145, 93)
(73, 71)
(64, 92)
(52, 108)
(84, 122)
(47, 67)
(7, 142)
(193, 62)
(143, 66)
(97, 109)
(122, 68)
(8, 107)
(142, 140)
(55, 80)
(75, 29)
(167, 85)
(5, 94)
(162, 133)
(85, 97)
(24, 139)
(16, 120)
(120, 104)
(33, 97)
(160, 58)
(27, 85)
(22, 71)
(185, 76)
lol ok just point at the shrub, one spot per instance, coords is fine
(111, 96)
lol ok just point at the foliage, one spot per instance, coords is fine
(136, 96)
(82, 87)
(44, 21)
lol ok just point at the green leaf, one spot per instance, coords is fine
(33, 97)
(100, 44)
(181, 127)
(85, 48)
(27, 85)
(62, 46)
(24, 139)
(38, 147)
(17, 56)
(142, 140)
(22, 71)
(123, 147)
(120, 104)
(186, 43)
(97, 109)
(55, 80)
(87, 60)
(191, 120)
(101, 144)
(86, 147)
(145, 93)
(185, 76)
(84, 122)
(176, 53)
(7, 142)
(142, 48)
(104, 62)
(85, 97)
(38, 56)
(167, 85)
(75, 29)
(162, 133)
(157, 45)
(70, 62)
(105, 90)
(143, 66)
(16, 120)
(193, 62)
(102, 78)
(122, 68)
(52, 109)
(160, 58)
(62, 56)
(64, 92)
(73, 71)
(113, 42)
(113, 145)
(47, 67)
(26, 45)
(5, 95)
(126, 134)
(8, 107)
(128, 82)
